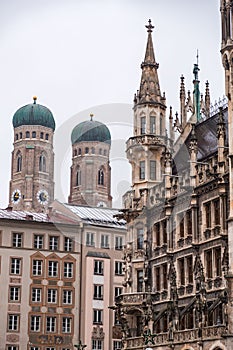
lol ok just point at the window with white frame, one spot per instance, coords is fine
(36, 295)
(152, 125)
(14, 294)
(35, 323)
(143, 125)
(51, 324)
(15, 266)
(118, 291)
(98, 267)
(118, 243)
(13, 322)
(66, 324)
(12, 347)
(118, 267)
(68, 269)
(104, 241)
(117, 345)
(17, 239)
(97, 344)
(53, 242)
(38, 241)
(67, 296)
(34, 348)
(98, 291)
(50, 348)
(52, 295)
(53, 268)
(37, 267)
(97, 316)
(90, 239)
(68, 244)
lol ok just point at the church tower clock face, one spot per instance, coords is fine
(43, 197)
(16, 196)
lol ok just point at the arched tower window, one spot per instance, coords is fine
(34, 134)
(140, 238)
(78, 177)
(143, 125)
(27, 134)
(142, 174)
(152, 125)
(160, 124)
(101, 177)
(42, 163)
(19, 162)
(75, 153)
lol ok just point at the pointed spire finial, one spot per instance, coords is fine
(197, 57)
(34, 99)
(91, 115)
(149, 27)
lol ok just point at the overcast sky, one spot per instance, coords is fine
(81, 56)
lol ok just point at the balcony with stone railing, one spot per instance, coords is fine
(182, 336)
(136, 298)
(146, 140)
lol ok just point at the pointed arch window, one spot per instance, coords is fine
(78, 177)
(161, 124)
(142, 174)
(42, 163)
(19, 162)
(27, 134)
(101, 177)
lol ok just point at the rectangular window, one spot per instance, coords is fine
(118, 291)
(98, 267)
(15, 266)
(66, 324)
(181, 225)
(164, 228)
(53, 242)
(36, 295)
(104, 241)
(38, 241)
(152, 125)
(190, 269)
(13, 322)
(98, 291)
(68, 269)
(52, 295)
(208, 214)
(117, 345)
(152, 169)
(67, 296)
(97, 316)
(181, 271)
(97, 344)
(68, 244)
(14, 294)
(157, 234)
(90, 239)
(217, 212)
(143, 125)
(140, 238)
(118, 268)
(51, 324)
(189, 222)
(158, 278)
(35, 323)
(165, 276)
(142, 174)
(12, 347)
(139, 280)
(209, 264)
(17, 240)
(218, 262)
(53, 269)
(118, 243)
(37, 267)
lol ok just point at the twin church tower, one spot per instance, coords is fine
(32, 168)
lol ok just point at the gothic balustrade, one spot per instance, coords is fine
(146, 140)
(135, 298)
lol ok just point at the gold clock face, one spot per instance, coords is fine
(42, 197)
(16, 196)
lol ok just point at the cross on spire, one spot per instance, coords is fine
(149, 27)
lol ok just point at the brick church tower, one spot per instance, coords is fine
(90, 181)
(32, 169)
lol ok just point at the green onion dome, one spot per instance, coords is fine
(34, 114)
(91, 130)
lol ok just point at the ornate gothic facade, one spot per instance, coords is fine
(178, 260)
